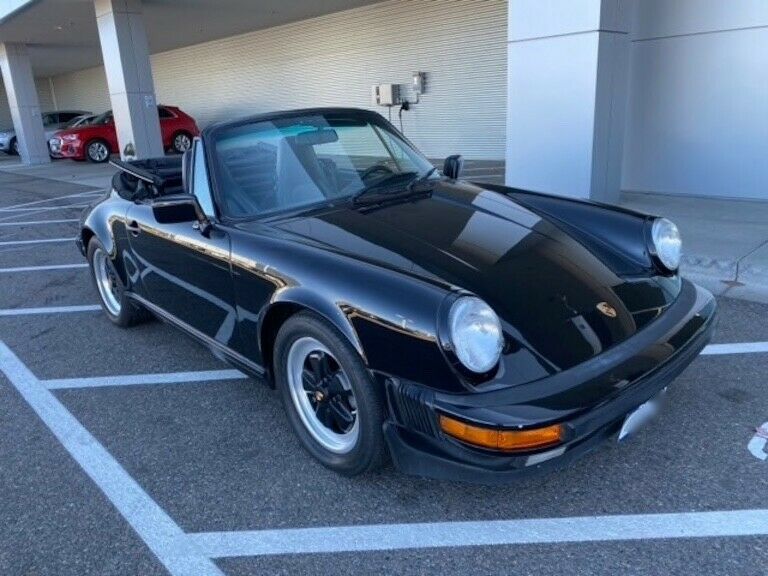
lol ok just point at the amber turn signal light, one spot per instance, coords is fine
(504, 440)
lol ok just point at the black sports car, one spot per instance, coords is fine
(466, 331)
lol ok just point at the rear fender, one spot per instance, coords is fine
(101, 223)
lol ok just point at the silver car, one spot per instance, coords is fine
(52, 122)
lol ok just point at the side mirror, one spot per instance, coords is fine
(452, 166)
(181, 209)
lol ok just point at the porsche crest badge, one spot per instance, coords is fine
(607, 310)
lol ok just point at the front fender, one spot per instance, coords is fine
(389, 317)
(303, 297)
(618, 236)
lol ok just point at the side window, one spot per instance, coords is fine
(164, 113)
(49, 119)
(201, 187)
(67, 116)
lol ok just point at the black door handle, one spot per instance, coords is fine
(133, 228)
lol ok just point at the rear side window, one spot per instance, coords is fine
(164, 113)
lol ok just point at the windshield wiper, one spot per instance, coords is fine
(421, 179)
(384, 186)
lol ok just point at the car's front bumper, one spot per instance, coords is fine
(72, 149)
(590, 400)
(5, 143)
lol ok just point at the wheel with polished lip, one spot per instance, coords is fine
(182, 141)
(331, 400)
(97, 151)
(115, 303)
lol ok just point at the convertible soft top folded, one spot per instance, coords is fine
(153, 176)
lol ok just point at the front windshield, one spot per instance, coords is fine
(292, 163)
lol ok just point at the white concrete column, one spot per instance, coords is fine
(129, 77)
(24, 104)
(566, 95)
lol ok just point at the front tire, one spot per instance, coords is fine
(330, 398)
(97, 151)
(14, 148)
(112, 295)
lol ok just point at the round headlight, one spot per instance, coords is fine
(667, 243)
(475, 334)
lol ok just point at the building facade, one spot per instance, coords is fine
(575, 97)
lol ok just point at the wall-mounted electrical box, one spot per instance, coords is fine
(419, 83)
(385, 94)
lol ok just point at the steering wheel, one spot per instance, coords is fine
(376, 168)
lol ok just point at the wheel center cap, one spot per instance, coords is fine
(319, 396)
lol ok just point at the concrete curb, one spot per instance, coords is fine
(753, 288)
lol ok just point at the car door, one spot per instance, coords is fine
(182, 271)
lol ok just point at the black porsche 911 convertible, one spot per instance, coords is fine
(465, 331)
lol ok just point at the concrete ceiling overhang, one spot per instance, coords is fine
(61, 35)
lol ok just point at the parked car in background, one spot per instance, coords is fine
(471, 331)
(98, 139)
(53, 141)
(52, 122)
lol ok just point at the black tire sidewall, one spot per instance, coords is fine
(14, 147)
(370, 450)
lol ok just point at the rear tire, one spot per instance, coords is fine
(181, 142)
(118, 307)
(338, 417)
(14, 147)
(97, 151)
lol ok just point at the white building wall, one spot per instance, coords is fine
(697, 117)
(83, 90)
(333, 60)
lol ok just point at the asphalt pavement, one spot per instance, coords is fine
(137, 452)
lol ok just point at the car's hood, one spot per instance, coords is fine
(547, 288)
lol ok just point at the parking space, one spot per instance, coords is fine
(136, 451)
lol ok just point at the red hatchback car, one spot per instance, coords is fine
(97, 140)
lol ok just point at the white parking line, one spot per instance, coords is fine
(738, 348)
(141, 379)
(39, 241)
(190, 554)
(490, 533)
(36, 222)
(34, 202)
(43, 208)
(41, 268)
(195, 376)
(49, 310)
(153, 525)
(12, 216)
